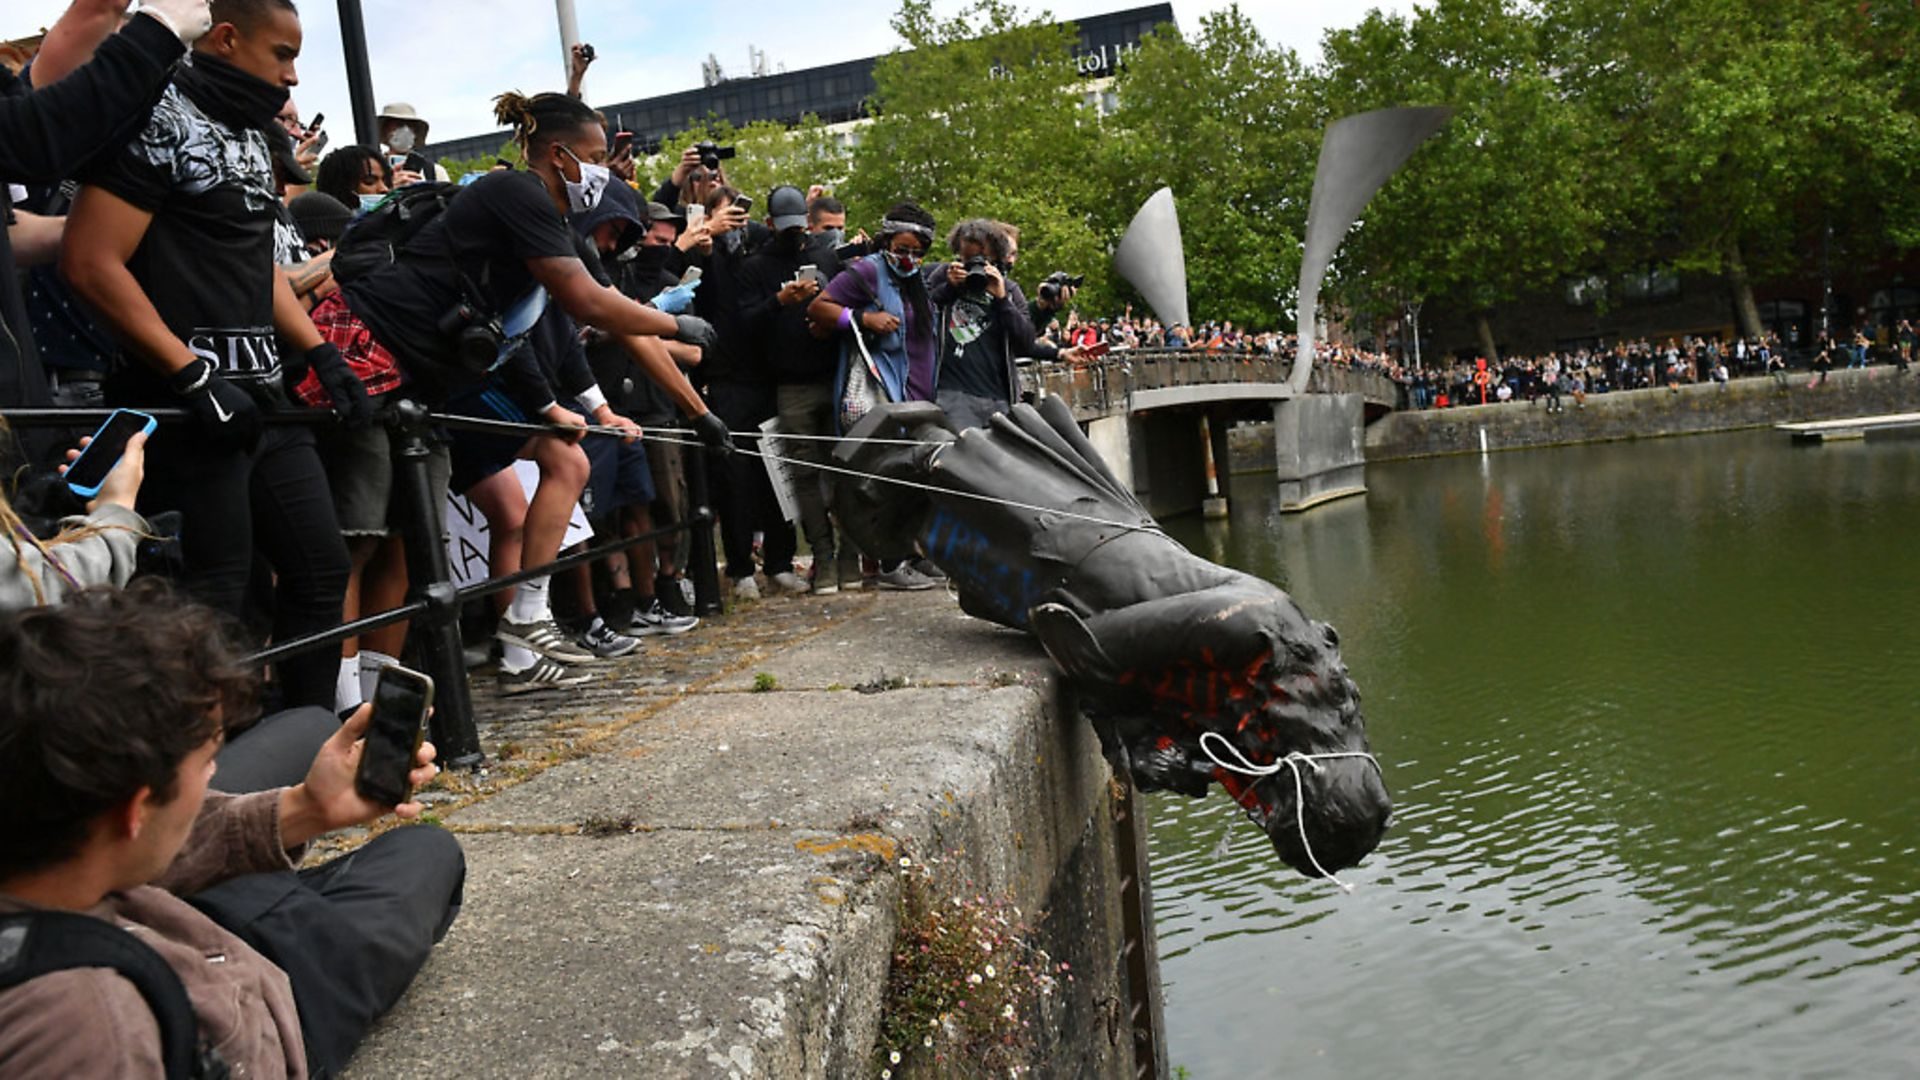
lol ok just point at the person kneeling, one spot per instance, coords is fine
(112, 709)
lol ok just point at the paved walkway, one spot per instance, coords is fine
(685, 868)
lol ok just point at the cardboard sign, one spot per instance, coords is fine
(467, 539)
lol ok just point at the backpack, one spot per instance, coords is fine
(42, 942)
(375, 239)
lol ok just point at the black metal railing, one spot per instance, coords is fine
(433, 604)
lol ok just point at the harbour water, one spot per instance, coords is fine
(1651, 717)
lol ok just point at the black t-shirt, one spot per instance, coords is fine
(973, 347)
(206, 261)
(488, 231)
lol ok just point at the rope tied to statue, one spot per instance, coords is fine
(1292, 761)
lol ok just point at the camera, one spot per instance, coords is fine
(1059, 279)
(977, 279)
(711, 155)
(477, 337)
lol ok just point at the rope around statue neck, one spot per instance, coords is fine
(1292, 761)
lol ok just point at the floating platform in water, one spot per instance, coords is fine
(1885, 426)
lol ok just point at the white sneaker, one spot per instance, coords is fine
(904, 578)
(656, 620)
(788, 582)
(544, 637)
(746, 589)
(542, 674)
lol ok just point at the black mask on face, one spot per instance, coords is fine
(229, 95)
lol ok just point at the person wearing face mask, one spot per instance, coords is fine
(884, 297)
(503, 244)
(984, 325)
(171, 240)
(402, 134)
(357, 176)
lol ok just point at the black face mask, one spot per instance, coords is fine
(652, 258)
(229, 95)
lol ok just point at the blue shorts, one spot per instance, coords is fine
(620, 476)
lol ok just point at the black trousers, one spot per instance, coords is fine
(274, 501)
(275, 752)
(350, 934)
(742, 494)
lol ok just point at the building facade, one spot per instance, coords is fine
(836, 93)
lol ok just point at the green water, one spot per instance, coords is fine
(1651, 718)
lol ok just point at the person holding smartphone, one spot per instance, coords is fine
(98, 548)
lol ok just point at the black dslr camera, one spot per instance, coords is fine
(1059, 279)
(711, 155)
(477, 336)
(977, 279)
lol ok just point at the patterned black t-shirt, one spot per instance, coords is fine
(207, 260)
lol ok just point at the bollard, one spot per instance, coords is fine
(435, 635)
(700, 559)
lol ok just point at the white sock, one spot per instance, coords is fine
(370, 664)
(346, 685)
(530, 602)
(516, 657)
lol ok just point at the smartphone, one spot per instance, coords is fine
(692, 275)
(398, 161)
(812, 273)
(401, 699)
(622, 142)
(319, 141)
(696, 214)
(319, 118)
(90, 469)
(744, 204)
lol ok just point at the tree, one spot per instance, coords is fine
(1757, 126)
(982, 115)
(1229, 122)
(1506, 199)
(766, 154)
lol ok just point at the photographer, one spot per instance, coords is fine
(175, 250)
(105, 787)
(73, 111)
(983, 326)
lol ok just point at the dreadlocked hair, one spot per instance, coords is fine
(541, 119)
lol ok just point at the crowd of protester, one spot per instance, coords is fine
(180, 239)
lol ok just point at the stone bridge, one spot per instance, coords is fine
(1155, 414)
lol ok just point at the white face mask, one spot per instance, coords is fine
(401, 141)
(584, 194)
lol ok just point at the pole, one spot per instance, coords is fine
(353, 45)
(569, 37)
(436, 634)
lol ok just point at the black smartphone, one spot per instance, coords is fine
(622, 142)
(90, 469)
(401, 699)
(319, 118)
(745, 203)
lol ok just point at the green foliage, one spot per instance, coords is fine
(1226, 121)
(964, 983)
(764, 681)
(767, 155)
(984, 116)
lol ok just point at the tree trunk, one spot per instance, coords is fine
(1746, 313)
(1487, 347)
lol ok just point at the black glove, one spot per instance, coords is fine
(713, 432)
(226, 414)
(350, 401)
(695, 330)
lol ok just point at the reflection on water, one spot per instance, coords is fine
(1649, 715)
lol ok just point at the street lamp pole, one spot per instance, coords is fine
(569, 36)
(353, 45)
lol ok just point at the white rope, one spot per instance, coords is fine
(1292, 761)
(933, 488)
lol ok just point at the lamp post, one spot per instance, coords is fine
(353, 47)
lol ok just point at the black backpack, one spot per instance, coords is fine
(375, 240)
(42, 942)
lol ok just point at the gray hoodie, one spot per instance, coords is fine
(105, 558)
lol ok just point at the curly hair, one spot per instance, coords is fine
(340, 172)
(100, 697)
(541, 119)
